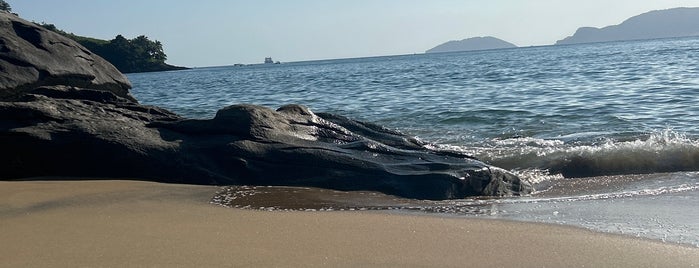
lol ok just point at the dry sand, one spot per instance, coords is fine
(143, 224)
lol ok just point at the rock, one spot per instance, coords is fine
(41, 135)
(294, 146)
(243, 144)
(31, 56)
(67, 112)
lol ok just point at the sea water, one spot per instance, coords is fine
(607, 132)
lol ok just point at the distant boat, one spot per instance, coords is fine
(268, 60)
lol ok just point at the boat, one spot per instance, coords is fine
(268, 60)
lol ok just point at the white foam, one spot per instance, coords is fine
(660, 151)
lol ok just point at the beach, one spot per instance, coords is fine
(122, 223)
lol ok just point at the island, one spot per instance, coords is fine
(471, 44)
(675, 22)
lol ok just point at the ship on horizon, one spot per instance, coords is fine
(268, 60)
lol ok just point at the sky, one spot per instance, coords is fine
(224, 32)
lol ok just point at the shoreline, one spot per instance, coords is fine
(136, 223)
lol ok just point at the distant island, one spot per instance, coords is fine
(470, 44)
(676, 22)
(135, 55)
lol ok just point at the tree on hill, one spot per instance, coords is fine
(4, 6)
(128, 55)
(138, 54)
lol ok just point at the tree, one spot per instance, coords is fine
(151, 51)
(128, 55)
(119, 52)
(49, 26)
(5, 6)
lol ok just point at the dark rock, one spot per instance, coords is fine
(50, 136)
(31, 56)
(243, 144)
(293, 146)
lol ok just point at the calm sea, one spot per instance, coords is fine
(579, 121)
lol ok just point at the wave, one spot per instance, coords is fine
(661, 151)
(662, 190)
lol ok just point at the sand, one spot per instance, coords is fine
(143, 224)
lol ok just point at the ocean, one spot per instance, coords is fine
(607, 132)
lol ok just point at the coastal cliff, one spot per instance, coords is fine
(676, 22)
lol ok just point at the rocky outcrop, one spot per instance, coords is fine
(31, 56)
(77, 122)
(81, 132)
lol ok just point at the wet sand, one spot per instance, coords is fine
(136, 224)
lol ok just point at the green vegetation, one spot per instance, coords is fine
(4, 6)
(128, 55)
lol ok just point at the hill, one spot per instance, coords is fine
(676, 22)
(470, 44)
(135, 55)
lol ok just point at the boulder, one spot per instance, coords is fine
(31, 56)
(71, 135)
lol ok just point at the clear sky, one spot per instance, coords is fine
(224, 32)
